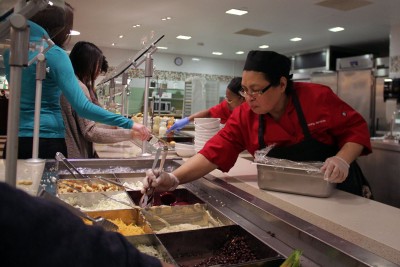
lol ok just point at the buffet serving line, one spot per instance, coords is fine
(339, 230)
(367, 223)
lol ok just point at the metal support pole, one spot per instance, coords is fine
(40, 76)
(111, 105)
(18, 59)
(148, 73)
(123, 95)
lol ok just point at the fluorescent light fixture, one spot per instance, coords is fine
(73, 32)
(183, 37)
(162, 47)
(336, 29)
(263, 46)
(295, 39)
(121, 36)
(239, 53)
(195, 59)
(113, 44)
(236, 12)
(217, 53)
(136, 26)
(166, 18)
(387, 80)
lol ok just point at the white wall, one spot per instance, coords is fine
(164, 61)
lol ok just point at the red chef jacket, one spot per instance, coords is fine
(330, 120)
(221, 111)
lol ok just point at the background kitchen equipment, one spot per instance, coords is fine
(355, 85)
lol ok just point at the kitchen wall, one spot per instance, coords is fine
(165, 71)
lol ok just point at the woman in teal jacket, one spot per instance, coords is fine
(56, 22)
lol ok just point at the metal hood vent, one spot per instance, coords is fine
(344, 5)
(252, 32)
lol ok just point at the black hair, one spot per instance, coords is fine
(235, 85)
(57, 21)
(273, 66)
(104, 65)
(87, 60)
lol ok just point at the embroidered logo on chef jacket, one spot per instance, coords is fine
(311, 124)
(317, 126)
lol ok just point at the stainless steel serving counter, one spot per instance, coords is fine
(342, 230)
(382, 170)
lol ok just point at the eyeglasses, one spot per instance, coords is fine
(246, 92)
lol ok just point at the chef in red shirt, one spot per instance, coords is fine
(302, 121)
(223, 110)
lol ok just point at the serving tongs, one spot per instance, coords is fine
(100, 221)
(158, 142)
(147, 199)
(72, 169)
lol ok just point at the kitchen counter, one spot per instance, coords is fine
(381, 168)
(367, 223)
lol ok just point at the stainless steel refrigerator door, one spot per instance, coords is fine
(329, 79)
(355, 88)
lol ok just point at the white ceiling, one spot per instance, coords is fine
(102, 21)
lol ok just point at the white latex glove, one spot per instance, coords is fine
(140, 131)
(162, 181)
(335, 169)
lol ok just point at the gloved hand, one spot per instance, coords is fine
(162, 181)
(179, 124)
(335, 169)
(140, 131)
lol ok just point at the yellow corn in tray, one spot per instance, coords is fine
(127, 229)
(123, 228)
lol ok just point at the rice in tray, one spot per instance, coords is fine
(111, 202)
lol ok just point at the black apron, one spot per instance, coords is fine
(311, 149)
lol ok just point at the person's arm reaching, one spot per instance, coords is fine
(68, 83)
(178, 125)
(195, 168)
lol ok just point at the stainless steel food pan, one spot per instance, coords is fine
(181, 218)
(151, 241)
(127, 216)
(293, 180)
(205, 247)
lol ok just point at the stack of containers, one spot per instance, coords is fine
(204, 129)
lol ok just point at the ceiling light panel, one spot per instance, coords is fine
(295, 39)
(237, 12)
(336, 29)
(183, 37)
(73, 32)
